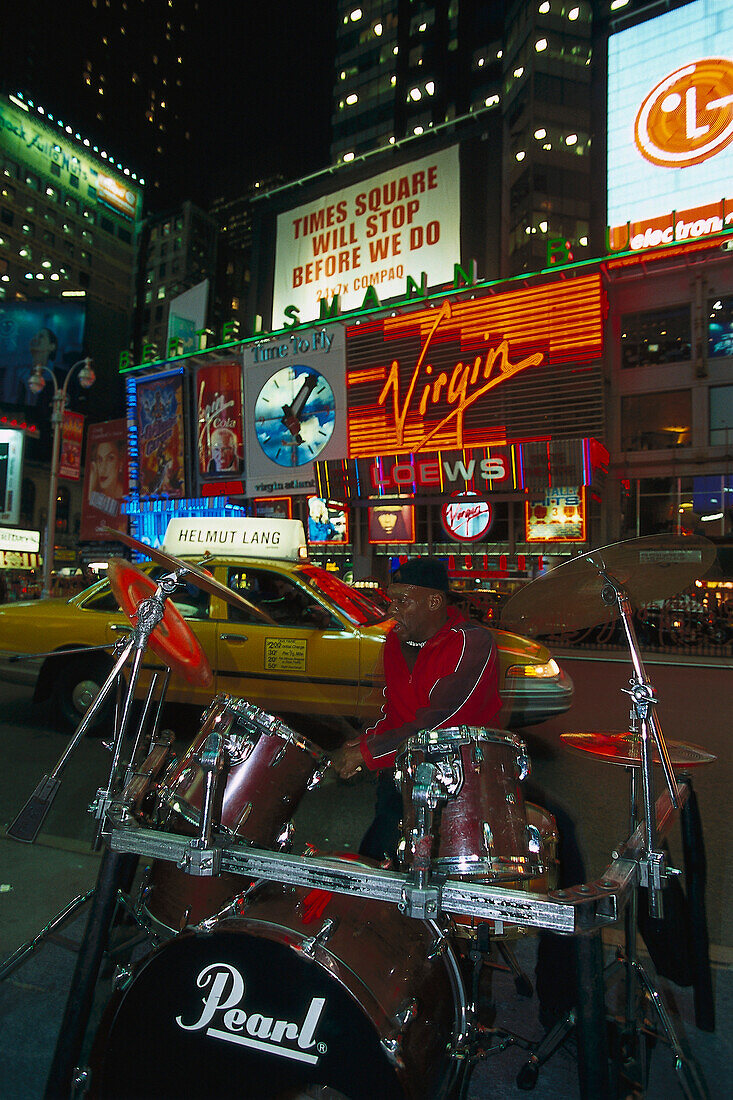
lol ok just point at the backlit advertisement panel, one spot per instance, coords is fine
(105, 480)
(160, 437)
(373, 234)
(72, 434)
(11, 469)
(556, 516)
(219, 401)
(37, 334)
(670, 126)
(295, 409)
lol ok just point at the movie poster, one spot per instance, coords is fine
(219, 408)
(105, 480)
(72, 434)
(160, 436)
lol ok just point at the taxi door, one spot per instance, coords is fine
(306, 661)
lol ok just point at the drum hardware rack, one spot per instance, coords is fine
(582, 909)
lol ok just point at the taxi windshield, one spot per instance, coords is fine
(354, 604)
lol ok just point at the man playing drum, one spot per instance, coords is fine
(440, 670)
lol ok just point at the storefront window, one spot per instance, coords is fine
(720, 326)
(651, 421)
(658, 336)
(721, 415)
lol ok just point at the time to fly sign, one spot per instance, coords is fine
(373, 234)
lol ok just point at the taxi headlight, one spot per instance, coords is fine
(536, 672)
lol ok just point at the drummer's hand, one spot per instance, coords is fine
(347, 760)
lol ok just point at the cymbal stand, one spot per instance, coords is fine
(115, 867)
(653, 870)
(644, 721)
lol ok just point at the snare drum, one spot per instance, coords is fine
(480, 826)
(269, 769)
(356, 1005)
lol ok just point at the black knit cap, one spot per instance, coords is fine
(423, 573)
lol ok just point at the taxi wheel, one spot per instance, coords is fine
(78, 681)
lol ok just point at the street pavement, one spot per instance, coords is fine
(37, 881)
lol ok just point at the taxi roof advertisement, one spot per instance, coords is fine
(374, 233)
(670, 123)
(295, 401)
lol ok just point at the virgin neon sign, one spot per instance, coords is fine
(428, 378)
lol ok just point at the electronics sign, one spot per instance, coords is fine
(670, 126)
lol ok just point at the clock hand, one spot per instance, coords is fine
(291, 419)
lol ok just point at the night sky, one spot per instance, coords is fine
(269, 76)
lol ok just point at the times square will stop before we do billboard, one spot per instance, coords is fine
(372, 234)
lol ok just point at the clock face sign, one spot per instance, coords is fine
(294, 415)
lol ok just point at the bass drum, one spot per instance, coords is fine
(354, 1004)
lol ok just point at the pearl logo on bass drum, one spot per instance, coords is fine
(223, 1018)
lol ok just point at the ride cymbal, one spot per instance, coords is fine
(568, 597)
(195, 575)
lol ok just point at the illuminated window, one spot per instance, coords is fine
(571, 139)
(656, 336)
(378, 28)
(161, 292)
(541, 133)
(520, 155)
(573, 14)
(355, 15)
(656, 421)
(543, 227)
(415, 94)
(352, 98)
(348, 156)
(540, 45)
(544, 8)
(518, 72)
(430, 87)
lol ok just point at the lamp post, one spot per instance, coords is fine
(36, 382)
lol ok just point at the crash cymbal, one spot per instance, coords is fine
(172, 639)
(196, 576)
(568, 597)
(625, 749)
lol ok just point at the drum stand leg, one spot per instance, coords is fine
(62, 918)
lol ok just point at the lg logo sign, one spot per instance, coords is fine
(688, 117)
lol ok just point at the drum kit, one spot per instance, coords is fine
(287, 976)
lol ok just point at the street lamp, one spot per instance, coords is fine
(36, 382)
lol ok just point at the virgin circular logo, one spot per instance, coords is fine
(688, 117)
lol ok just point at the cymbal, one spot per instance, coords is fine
(172, 639)
(625, 749)
(568, 597)
(198, 577)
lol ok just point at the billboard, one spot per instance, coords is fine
(186, 317)
(105, 479)
(37, 334)
(11, 470)
(434, 375)
(72, 435)
(219, 415)
(670, 125)
(160, 436)
(373, 234)
(46, 149)
(296, 409)
(558, 515)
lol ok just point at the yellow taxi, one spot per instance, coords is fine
(315, 650)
